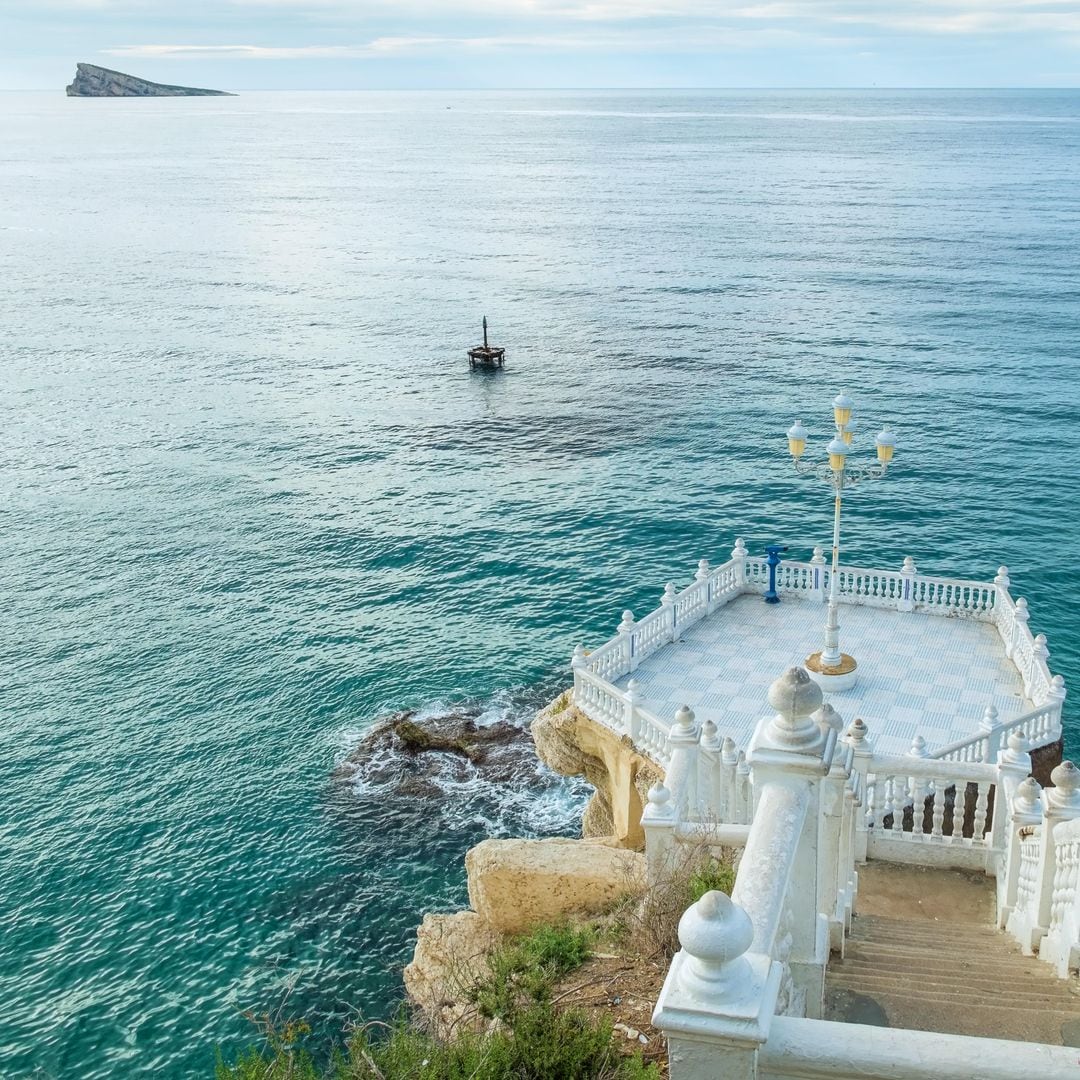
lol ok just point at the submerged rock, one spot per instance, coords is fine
(93, 81)
(406, 756)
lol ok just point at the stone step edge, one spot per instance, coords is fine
(988, 984)
(904, 992)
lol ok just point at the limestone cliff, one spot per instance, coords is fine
(93, 81)
(572, 744)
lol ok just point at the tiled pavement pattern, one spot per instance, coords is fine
(928, 675)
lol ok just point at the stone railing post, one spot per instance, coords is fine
(710, 775)
(1024, 812)
(833, 875)
(1060, 803)
(738, 557)
(704, 572)
(1001, 579)
(791, 750)
(658, 824)
(577, 661)
(862, 751)
(1013, 767)
(1056, 693)
(667, 601)
(906, 600)
(718, 1000)
(626, 633)
(988, 725)
(817, 576)
(744, 791)
(682, 770)
(729, 761)
(632, 719)
(1021, 617)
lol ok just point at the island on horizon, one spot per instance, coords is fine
(93, 81)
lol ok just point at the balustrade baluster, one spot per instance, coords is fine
(889, 809)
(978, 831)
(938, 813)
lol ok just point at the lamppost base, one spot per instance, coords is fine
(833, 677)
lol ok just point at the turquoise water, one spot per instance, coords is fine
(253, 498)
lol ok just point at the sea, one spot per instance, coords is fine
(252, 498)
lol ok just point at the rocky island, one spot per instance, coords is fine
(93, 81)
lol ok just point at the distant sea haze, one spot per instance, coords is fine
(254, 498)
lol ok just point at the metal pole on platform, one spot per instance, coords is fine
(831, 668)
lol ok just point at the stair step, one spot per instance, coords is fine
(874, 959)
(984, 985)
(951, 994)
(989, 1021)
(993, 958)
(927, 929)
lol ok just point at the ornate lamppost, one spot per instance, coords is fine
(830, 668)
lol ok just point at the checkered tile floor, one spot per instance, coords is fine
(926, 675)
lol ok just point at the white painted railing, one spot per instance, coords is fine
(1061, 946)
(1039, 727)
(904, 590)
(927, 803)
(742, 995)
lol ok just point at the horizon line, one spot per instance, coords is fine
(534, 89)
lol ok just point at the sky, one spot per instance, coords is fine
(459, 44)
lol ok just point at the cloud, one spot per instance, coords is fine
(671, 39)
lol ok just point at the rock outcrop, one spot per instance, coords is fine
(93, 81)
(515, 885)
(450, 957)
(417, 759)
(571, 743)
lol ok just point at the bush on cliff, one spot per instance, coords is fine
(528, 1038)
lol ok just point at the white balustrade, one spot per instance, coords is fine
(1061, 946)
(928, 803)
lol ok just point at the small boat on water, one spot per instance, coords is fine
(486, 356)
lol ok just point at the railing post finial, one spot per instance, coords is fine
(714, 934)
(710, 737)
(738, 557)
(989, 719)
(795, 697)
(906, 600)
(1041, 651)
(828, 717)
(1065, 794)
(703, 570)
(857, 733)
(1001, 580)
(1057, 689)
(918, 748)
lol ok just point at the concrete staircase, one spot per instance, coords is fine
(923, 954)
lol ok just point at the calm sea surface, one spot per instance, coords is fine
(252, 498)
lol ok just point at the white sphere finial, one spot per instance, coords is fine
(795, 697)
(714, 934)
(1027, 795)
(1066, 789)
(828, 717)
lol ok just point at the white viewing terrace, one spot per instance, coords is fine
(948, 668)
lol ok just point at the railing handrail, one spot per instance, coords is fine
(1002, 731)
(801, 1047)
(768, 860)
(970, 772)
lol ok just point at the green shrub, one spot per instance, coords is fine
(529, 1039)
(713, 875)
(524, 970)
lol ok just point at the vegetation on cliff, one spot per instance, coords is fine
(525, 1037)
